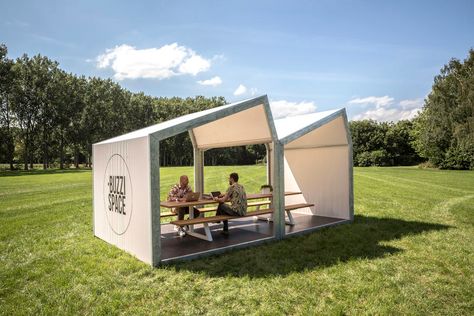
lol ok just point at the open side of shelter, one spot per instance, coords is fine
(126, 178)
(318, 163)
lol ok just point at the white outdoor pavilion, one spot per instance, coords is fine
(311, 154)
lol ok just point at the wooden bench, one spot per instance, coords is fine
(217, 218)
(288, 209)
(292, 207)
(251, 204)
(214, 208)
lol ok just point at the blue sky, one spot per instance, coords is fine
(376, 58)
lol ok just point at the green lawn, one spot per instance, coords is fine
(410, 250)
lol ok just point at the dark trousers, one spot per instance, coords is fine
(225, 209)
(185, 210)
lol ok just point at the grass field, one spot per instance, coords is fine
(410, 250)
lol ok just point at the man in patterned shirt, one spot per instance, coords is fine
(178, 193)
(238, 201)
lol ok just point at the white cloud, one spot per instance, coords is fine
(167, 61)
(383, 109)
(377, 101)
(411, 103)
(386, 115)
(194, 65)
(214, 81)
(283, 108)
(241, 89)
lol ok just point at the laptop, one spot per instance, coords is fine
(215, 193)
(192, 196)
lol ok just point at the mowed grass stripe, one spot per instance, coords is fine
(443, 179)
(373, 194)
(38, 188)
(412, 184)
(406, 195)
(400, 186)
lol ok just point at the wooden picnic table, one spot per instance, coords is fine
(192, 204)
(251, 196)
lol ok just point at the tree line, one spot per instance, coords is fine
(383, 143)
(52, 117)
(442, 134)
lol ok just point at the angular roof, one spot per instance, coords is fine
(330, 125)
(252, 118)
(252, 123)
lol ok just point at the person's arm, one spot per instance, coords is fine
(173, 194)
(223, 198)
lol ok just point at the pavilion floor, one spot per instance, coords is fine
(241, 231)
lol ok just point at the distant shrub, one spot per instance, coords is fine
(457, 158)
(379, 158)
(364, 159)
(427, 165)
(373, 158)
(383, 143)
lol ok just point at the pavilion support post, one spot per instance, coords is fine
(278, 190)
(269, 163)
(198, 164)
(202, 171)
(198, 170)
(154, 154)
(350, 164)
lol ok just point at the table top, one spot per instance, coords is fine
(251, 196)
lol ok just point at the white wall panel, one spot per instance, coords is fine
(322, 174)
(122, 195)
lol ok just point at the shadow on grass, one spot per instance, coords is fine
(327, 247)
(14, 173)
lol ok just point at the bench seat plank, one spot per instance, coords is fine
(214, 208)
(218, 218)
(168, 214)
(297, 206)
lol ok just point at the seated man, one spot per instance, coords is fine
(178, 193)
(238, 199)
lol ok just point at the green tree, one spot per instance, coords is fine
(67, 106)
(7, 145)
(398, 144)
(73, 131)
(383, 143)
(444, 131)
(104, 114)
(141, 111)
(367, 136)
(50, 86)
(27, 96)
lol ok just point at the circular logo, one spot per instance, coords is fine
(118, 194)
